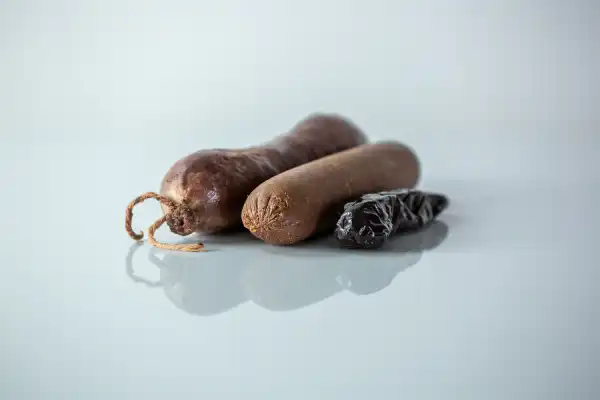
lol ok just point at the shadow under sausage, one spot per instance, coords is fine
(224, 240)
(288, 278)
(237, 239)
(292, 277)
(420, 241)
(281, 283)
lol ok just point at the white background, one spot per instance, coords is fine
(499, 98)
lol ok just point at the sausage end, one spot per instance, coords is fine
(265, 215)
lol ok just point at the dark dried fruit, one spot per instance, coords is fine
(369, 222)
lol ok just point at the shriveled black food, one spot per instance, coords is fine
(370, 221)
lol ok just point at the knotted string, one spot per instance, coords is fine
(174, 208)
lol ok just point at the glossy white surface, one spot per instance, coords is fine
(496, 301)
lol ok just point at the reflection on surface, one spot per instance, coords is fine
(192, 283)
(282, 278)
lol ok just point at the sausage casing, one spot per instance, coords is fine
(290, 207)
(214, 183)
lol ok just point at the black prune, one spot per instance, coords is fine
(369, 222)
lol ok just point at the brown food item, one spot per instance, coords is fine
(205, 191)
(292, 206)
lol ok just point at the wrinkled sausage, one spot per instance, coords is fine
(205, 191)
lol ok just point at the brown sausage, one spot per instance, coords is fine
(205, 191)
(288, 208)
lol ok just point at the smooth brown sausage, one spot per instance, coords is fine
(288, 208)
(214, 183)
